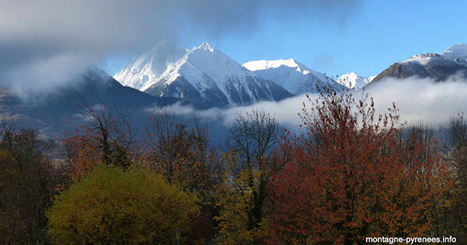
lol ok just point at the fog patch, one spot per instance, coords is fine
(41, 76)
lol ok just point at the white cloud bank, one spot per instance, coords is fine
(422, 99)
(418, 100)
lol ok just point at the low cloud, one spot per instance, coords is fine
(418, 100)
(422, 99)
(285, 112)
(37, 77)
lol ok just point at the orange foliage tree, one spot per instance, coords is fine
(352, 174)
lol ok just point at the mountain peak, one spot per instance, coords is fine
(353, 80)
(96, 74)
(206, 46)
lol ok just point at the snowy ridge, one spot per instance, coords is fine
(458, 51)
(422, 59)
(291, 75)
(268, 64)
(354, 81)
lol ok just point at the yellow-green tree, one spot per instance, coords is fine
(235, 202)
(249, 163)
(113, 206)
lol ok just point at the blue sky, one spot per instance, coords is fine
(46, 42)
(365, 39)
(371, 37)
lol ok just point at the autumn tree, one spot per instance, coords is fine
(183, 154)
(250, 161)
(352, 175)
(26, 187)
(111, 206)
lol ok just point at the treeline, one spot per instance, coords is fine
(349, 174)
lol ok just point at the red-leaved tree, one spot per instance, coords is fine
(352, 174)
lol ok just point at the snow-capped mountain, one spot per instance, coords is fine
(291, 75)
(354, 81)
(204, 76)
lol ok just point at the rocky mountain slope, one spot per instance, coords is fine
(59, 110)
